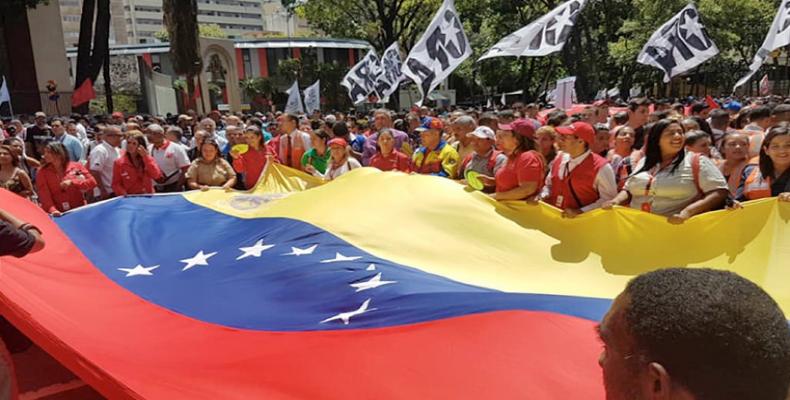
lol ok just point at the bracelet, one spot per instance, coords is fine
(29, 227)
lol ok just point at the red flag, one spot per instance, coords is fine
(712, 103)
(83, 94)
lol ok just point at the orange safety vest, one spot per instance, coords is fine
(757, 187)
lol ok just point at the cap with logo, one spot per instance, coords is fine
(483, 132)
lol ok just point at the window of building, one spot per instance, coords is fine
(71, 18)
(247, 62)
(273, 56)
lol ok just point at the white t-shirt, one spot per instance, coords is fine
(102, 158)
(670, 193)
(170, 159)
(332, 173)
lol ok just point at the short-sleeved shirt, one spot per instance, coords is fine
(526, 167)
(311, 157)
(14, 242)
(170, 158)
(669, 193)
(214, 173)
(102, 160)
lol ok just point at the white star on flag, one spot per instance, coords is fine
(340, 258)
(693, 28)
(295, 251)
(371, 267)
(199, 259)
(346, 316)
(373, 283)
(139, 270)
(255, 250)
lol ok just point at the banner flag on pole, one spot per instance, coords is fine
(312, 97)
(361, 79)
(778, 36)
(679, 45)
(294, 104)
(390, 74)
(83, 94)
(543, 36)
(441, 49)
(5, 96)
(565, 92)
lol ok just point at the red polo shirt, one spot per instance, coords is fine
(394, 161)
(526, 167)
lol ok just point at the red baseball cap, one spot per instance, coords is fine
(340, 142)
(117, 114)
(582, 130)
(520, 126)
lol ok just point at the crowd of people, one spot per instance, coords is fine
(675, 160)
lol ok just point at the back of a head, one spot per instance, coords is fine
(759, 113)
(718, 335)
(719, 117)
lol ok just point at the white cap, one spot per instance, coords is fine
(483, 132)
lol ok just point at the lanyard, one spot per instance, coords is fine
(647, 206)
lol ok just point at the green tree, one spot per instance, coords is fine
(204, 30)
(180, 18)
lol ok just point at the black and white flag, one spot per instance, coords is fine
(441, 49)
(294, 104)
(389, 73)
(679, 45)
(541, 37)
(778, 36)
(312, 97)
(361, 79)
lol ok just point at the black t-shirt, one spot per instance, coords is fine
(38, 138)
(14, 242)
(639, 140)
(781, 185)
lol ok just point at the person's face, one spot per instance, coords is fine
(602, 140)
(545, 142)
(480, 145)
(430, 138)
(571, 144)
(17, 147)
(252, 139)
(506, 141)
(317, 142)
(381, 121)
(736, 147)
(235, 136)
(208, 127)
(779, 150)
(287, 125)
(51, 157)
(690, 125)
(58, 129)
(132, 146)
(171, 137)
(40, 121)
(386, 143)
(672, 140)
(587, 116)
(208, 151)
(639, 117)
(701, 146)
(532, 112)
(6, 158)
(199, 139)
(156, 138)
(337, 152)
(621, 378)
(71, 129)
(625, 138)
(603, 114)
(704, 113)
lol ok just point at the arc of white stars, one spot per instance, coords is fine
(254, 250)
(295, 251)
(139, 270)
(340, 258)
(346, 316)
(372, 283)
(371, 267)
(200, 258)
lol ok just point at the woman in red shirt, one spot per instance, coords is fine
(252, 162)
(388, 158)
(523, 174)
(60, 182)
(135, 170)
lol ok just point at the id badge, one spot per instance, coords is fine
(560, 199)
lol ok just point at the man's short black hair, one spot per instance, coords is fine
(717, 334)
(780, 109)
(759, 113)
(621, 117)
(699, 107)
(634, 104)
(719, 115)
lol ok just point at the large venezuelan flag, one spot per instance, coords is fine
(376, 286)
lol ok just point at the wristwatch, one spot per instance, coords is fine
(31, 227)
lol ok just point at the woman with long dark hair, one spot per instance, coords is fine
(671, 181)
(13, 178)
(523, 174)
(135, 170)
(772, 178)
(62, 183)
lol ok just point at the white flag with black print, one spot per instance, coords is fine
(389, 73)
(679, 45)
(541, 37)
(312, 97)
(361, 79)
(778, 36)
(441, 49)
(294, 104)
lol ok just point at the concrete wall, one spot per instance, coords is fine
(49, 56)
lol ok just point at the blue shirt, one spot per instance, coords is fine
(72, 145)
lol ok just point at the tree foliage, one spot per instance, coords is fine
(204, 30)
